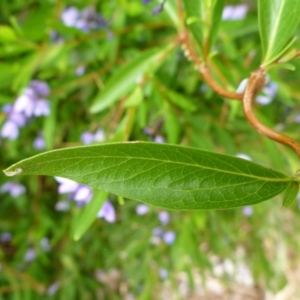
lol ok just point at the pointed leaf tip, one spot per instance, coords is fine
(12, 172)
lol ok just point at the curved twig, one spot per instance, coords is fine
(204, 70)
(255, 84)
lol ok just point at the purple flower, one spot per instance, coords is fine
(13, 188)
(83, 194)
(45, 244)
(93, 19)
(157, 231)
(164, 217)
(40, 88)
(99, 136)
(66, 185)
(88, 137)
(80, 193)
(39, 142)
(30, 255)
(53, 288)
(248, 211)
(237, 12)
(62, 206)
(159, 234)
(32, 102)
(107, 212)
(142, 209)
(80, 70)
(70, 16)
(5, 237)
(10, 130)
(157, 9)
(85, 20)
(163, 273)
(159, 139)
(146, 1)
(169, 237)
(15, 120)
(268, 94)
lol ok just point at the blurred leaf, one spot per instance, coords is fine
(162, 175)
(278, 20)
(27, 67)
(170, 9)
(8, 72)
(7, 34)
(182, 101)
(216, 9)
(290, 193)
(172, 125)
(204, 18)
(194, 19)
(88, 215)
(135, 98)
(50, 126)
(125, 79)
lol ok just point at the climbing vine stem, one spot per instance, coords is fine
(255, 84)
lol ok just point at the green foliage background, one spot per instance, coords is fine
(123, 260)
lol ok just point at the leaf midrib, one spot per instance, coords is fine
(286, 179)
(272, 37)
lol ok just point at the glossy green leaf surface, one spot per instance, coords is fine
(162, 175)
(125, 79)
(278, 20)
(290, 194)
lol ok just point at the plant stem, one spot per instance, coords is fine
(255, 84)
(204, 69)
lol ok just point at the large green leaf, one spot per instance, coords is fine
(167, 176)
(278, 20)
(125, 79)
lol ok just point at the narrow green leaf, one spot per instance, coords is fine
(217, 10)
(170, 9)
(135, 98)
(203, 19)
(194, 20)
(182, 101)
(88, 215)
(290, 193)
(162, 175)
(172, 125)
(7, 34)
(278, 20)
(125, 79)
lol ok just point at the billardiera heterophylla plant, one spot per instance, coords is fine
(177, 177)
(31, 103)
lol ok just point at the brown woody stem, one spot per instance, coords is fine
(204, 70)
(255, 84)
